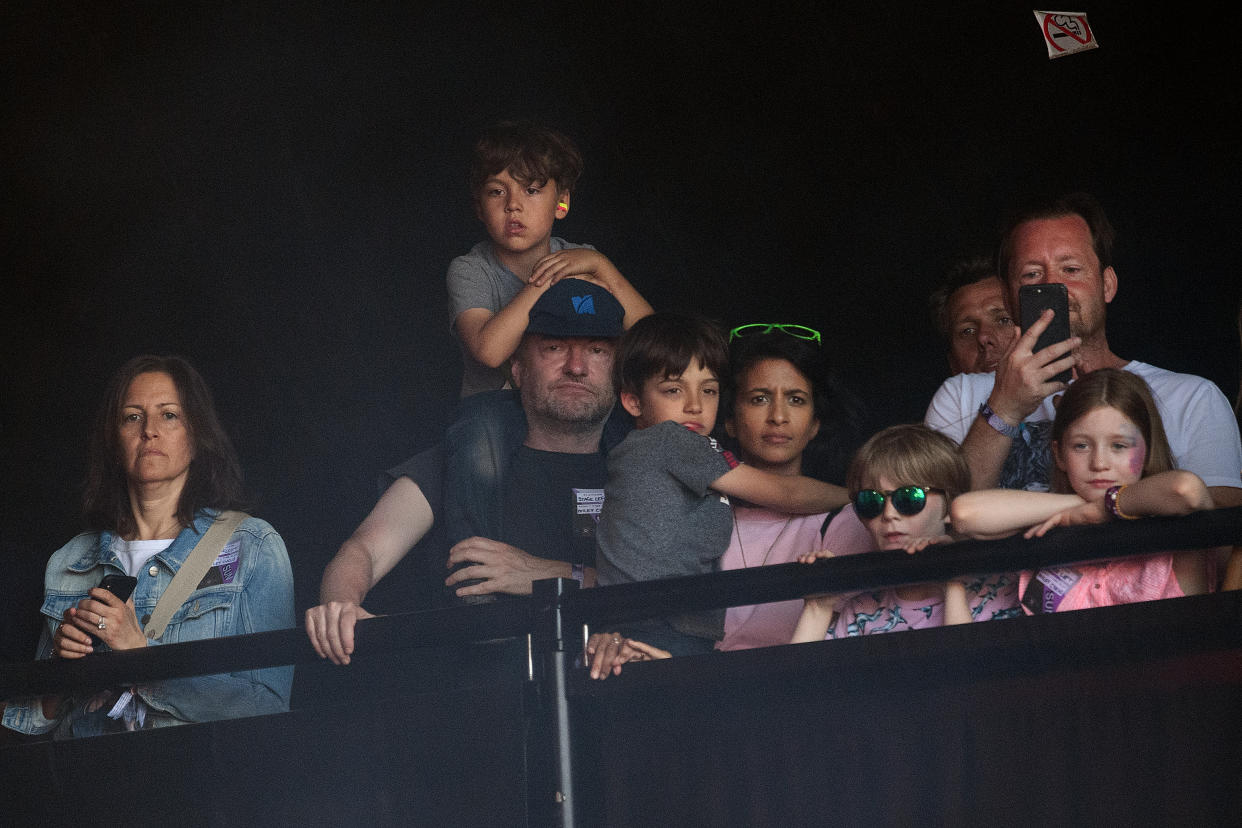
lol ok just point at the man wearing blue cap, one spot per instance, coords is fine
(522, 479)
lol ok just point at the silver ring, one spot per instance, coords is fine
(616, 640)
(103, 625)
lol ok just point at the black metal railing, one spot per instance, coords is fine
(554, 618)
(599, 608)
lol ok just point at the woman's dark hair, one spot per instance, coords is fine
(214, 478)
(806, 356)
(839, 411)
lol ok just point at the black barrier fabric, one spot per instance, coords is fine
(449, 753)
(1125, 715)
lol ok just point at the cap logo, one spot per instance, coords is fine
(584, 304)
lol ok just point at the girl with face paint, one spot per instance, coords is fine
(1112, 463)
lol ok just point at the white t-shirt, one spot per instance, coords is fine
(135, 554)
(1198, 421)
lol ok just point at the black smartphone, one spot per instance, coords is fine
(122, 586)
(1033, 300)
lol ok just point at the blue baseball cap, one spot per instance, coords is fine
(575, 307)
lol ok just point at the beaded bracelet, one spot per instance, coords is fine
(1110, 503)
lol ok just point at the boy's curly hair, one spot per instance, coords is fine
(529, 151)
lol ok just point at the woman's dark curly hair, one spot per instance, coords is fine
(840, 412)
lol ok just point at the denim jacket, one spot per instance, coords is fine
(251, 594)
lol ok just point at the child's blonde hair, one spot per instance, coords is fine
(1129, 394)
(912, 455)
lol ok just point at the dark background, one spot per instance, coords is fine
(276, 192)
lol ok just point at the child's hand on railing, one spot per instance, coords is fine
(919, 544)
(1092, 512)
(607, 651)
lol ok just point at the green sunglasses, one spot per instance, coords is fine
(908, 500)
(762, 328)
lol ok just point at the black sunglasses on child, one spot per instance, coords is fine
(908, 500)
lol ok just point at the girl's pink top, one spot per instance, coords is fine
(1118, 582)
(989, 596)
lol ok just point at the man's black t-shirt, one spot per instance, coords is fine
(552, 504)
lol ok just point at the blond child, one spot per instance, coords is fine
(902, 481)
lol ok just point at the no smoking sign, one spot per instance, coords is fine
(1066, 32)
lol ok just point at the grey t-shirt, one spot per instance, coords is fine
(661, 519)
(479, 280)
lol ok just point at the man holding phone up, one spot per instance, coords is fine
(1002, 420)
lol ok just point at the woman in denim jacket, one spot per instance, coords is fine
(161, 470)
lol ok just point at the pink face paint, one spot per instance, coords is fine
(1137, 455)
(1139, 452)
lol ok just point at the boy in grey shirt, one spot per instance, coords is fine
(521, 178)
(666, 504)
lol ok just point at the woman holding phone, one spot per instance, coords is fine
(162, 473)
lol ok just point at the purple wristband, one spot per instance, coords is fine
(1110, 504)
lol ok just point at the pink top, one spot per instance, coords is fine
(990, 597)
(847, 535)
(1118, 582)
(763, 537)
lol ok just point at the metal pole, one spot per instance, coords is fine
(555, 646)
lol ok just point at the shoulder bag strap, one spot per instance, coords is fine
(191, 573)
(828, 518)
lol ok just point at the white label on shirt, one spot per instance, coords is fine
(590, 501)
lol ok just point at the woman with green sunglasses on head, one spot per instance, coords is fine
(788, 414)
(784, 402)
(901, 483)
